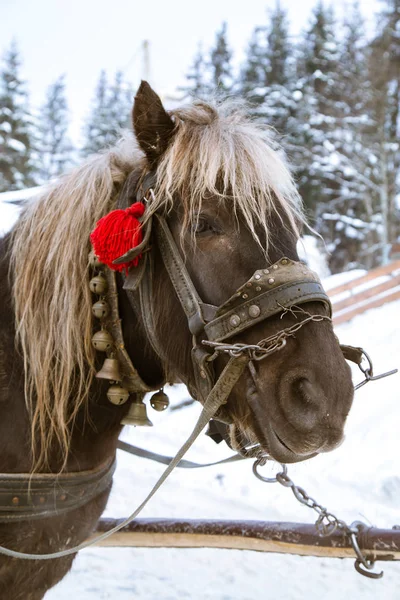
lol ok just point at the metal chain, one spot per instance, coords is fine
(327, 523)
(268, 345)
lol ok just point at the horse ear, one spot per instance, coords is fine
(152, 124)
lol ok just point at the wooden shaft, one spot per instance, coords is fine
(373, 303)
(287, 538)
(373, 274)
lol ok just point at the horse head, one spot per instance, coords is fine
(226, 195)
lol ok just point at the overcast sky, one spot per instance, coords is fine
(81, 37)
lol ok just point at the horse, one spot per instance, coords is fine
(219, 188)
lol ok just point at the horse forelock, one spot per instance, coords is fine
(218, 151)
(52, 301)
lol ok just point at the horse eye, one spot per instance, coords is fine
(201, 226)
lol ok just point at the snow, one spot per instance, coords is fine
(297, 95)
(340, 278)
(19, 195)
(358, 481)
(311, 250)
(9, 215)
(6, 126)
(10, 207)
(16, 145)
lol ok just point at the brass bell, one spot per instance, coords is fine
(137, 415)
(110, 370)
(102, 340)
(159, 401)
(101, 309)
(94, 261)
(117, 394)
(98, 284)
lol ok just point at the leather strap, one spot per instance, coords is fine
(181, 280)
(131, 378)
(165, 460)
(262, 307)
(35, 496)
(353, 353)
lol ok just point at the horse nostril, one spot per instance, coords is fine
(302, 402)
(303, 393)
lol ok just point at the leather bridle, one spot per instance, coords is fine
(267, 293)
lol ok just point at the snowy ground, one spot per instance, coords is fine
(358, 481)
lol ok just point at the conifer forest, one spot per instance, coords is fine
(331, 96)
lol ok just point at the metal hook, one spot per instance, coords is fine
(362, 564)
(360, 569)
(369, 372)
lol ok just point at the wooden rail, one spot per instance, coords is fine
(372, 290)
(285, 538)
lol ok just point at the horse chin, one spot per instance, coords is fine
(280, 451)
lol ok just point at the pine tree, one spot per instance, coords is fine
(278, 48)
(317, 112)
(196, 85)
(277, 104)
(110, 113)
(54, 149)
(350, 221)
(16, 166)
(253, 76)
(385, 114)
(97, 128)
(120, 101)
(220, 63)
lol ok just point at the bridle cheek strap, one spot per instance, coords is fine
(269, 292)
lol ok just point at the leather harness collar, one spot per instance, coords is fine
(34, 496)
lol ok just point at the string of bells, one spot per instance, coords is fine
(103, 341)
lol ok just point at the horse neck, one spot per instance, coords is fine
(143, 357)
(14, 422)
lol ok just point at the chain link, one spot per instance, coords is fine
(268, 345)
(327, 523)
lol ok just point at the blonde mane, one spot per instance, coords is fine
(52, 301)
(215, 150)
(218, 151)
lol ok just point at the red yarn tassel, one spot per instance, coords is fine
(116, 233)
